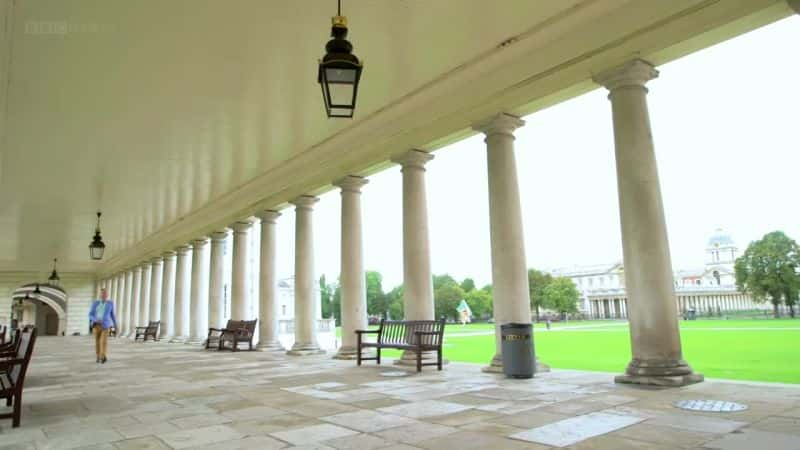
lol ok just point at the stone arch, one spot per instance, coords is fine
(51, 295)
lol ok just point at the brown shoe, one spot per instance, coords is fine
(103, 360)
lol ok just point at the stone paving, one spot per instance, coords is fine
(161, 396)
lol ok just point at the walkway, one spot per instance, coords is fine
(157, 396)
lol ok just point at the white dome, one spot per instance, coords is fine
(720, 239)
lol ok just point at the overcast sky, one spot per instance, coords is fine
(725, 124)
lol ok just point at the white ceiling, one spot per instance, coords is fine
(177, 117)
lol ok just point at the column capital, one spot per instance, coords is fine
(168, 254)
(304, 202)
(413, 159)
(241, 226)
(218, 236)
(351, 183)
(157, 260)
(183, 249)
(268, 216)
(199, 242)
(636, 72)
(501, 123)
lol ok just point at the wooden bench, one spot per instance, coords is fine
(235, 332)
(150, 330)
(3, 330)
(417, 335)
(12, 376)
(9, 349)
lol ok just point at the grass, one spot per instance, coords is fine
(755, 349)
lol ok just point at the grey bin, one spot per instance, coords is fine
(517, 347)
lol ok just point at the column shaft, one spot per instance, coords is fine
(129, 304)
(239, 298)
(135, 300)
(655, 338)
(168, 297)
(156, 274)
(216, 284)
(268, 303)
(198, 325)
(509, 270)
(183, 291)
(353, 281)
(144, 296)
(305, 329)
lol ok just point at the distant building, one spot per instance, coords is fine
(708, 290)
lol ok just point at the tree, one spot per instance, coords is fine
(394, 300)
(537, 283)
(326, 297)
(447, 294)
(376, 298)
(480, 302)
(468, 285)
(561, 295)
(768, 271)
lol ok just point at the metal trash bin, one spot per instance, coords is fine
(517, 347)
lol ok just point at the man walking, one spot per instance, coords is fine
(102, 317)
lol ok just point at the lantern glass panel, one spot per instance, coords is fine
(96, 252)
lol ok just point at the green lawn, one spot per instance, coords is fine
(763, 350)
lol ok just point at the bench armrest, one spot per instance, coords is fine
(367, 331)
(427, 333)
(8, 363)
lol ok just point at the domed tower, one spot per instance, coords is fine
(721, 249)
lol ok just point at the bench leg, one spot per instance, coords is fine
(358, 349)
(378, 354)
(17, 410)
(419, 360)
(439, 358)
(8, 400)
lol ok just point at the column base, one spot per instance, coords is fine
(196, 341)
(349, 353)
(669, 373)
(305, 349)
(178, 340)
(496, 366)
(409, 358)
(272, 346)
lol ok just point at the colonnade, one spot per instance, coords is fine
(704, 304)
(656, 348)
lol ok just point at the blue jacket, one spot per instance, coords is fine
(108, 319)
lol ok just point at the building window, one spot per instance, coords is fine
(283, 310)
(716, 277)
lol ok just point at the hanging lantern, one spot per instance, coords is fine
(339, 71)
(54, 276)
(37, 291)
(97, 247)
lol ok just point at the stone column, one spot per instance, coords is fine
(239, 297)
(183, 291)
(305, 323)
(216, 285)
(119, 299)
(144, 295)
(128, 319)
(353, 281)
(135, 300)
(509, 270)
(112, 292)
(417, 278)
(198, 324)
(156, 273)
(655, 338)
(268, 303)
(168, 297)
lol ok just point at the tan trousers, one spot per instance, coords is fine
(100, 341)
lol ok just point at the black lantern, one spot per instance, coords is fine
(54, 276)
(339, 71)
(97, 247)
(37, 291)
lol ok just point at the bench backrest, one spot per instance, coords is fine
(154, 324)
(249, 325)
(26, 341)
(404, 331)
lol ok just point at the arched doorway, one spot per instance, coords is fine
(45, 308)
